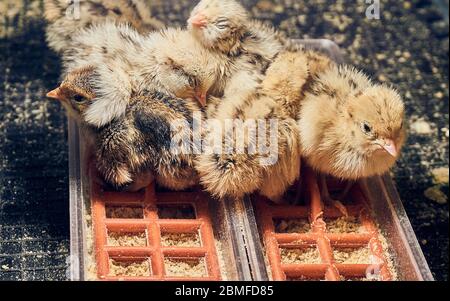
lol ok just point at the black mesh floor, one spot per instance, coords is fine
(408, 47)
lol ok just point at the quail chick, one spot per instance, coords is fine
(239, 173)
(170, 61)
(140, 141)
(66, 18)
(224, 27)
(246, 169)
(349, 127)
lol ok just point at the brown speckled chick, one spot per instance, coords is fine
(138, 143)
(66, 18)
(170, 61)
(223, 27)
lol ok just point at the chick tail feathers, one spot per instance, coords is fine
(233, 175)
(178, 177)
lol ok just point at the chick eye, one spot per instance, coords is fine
(222, 24)
(366, 128)
(79, 99)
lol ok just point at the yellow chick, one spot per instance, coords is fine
(349, 127)
(66, 18)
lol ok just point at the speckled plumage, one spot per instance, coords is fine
(66, 18)
(170, 61)
(251, 48)
(140, 141)
(249, 45)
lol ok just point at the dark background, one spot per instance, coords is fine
(408, 47)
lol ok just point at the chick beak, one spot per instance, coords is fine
(390, 147)
(54, 94)
(201, 98)
(199, 20)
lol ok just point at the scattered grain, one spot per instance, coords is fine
(292, 226)
(300, 256)
(344, 225)
(180, 240)
(185, 267)
(353, 256)
(117, 239)
(129, 268)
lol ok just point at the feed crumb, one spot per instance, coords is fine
(116, 239)
(421, 127)
(125, 212)
(129, 268)
(389, 258)
(353, 256)
(435, 194)
(345, 225)
(186, 268)
(440, 175)
(180, 240)
(300, 256)
(292, 226)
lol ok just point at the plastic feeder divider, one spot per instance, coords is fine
(327, 269)
(153, 224)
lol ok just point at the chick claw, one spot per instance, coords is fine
(328, 200)
(336, 204)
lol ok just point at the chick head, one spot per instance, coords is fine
(351, 128)
(218, 24)
(76, 92)
(377, 117)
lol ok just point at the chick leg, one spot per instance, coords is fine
(343, 195)
(298, 193)
(327, 199)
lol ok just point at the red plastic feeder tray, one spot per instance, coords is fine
(142, 213)
(315, 248)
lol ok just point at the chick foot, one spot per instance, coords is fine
(328, 200)
(336, 204)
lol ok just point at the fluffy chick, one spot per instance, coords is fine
(235, 174)
(350, 128)
(238, 174)
(170, 61)
(224, 26)
(140, 141)
(66, 18)
(290, 74)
